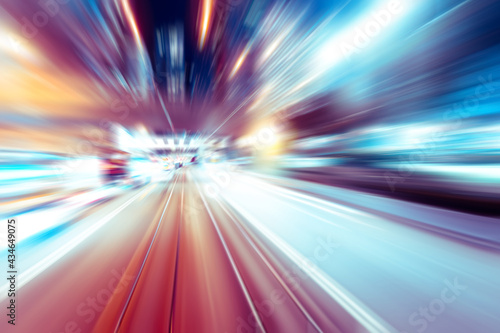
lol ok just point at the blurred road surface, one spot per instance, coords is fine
(218, 250)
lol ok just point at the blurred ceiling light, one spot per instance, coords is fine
(16, 47)
(131, 21)
(240, 61)
(207, 12)
(363, 33)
